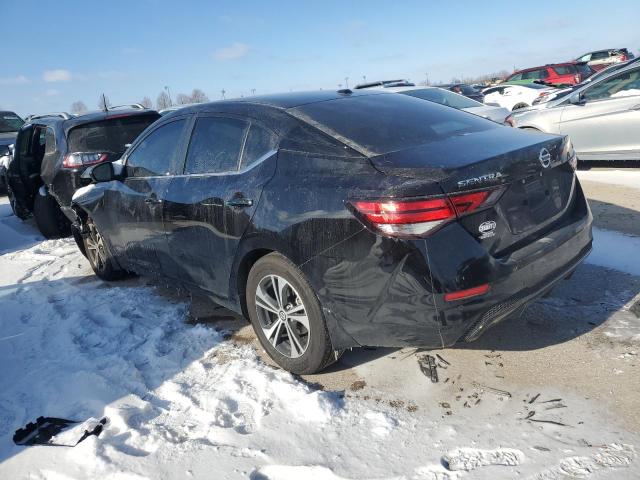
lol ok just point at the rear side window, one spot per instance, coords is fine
(382, 123)
(260, 141)
(535, 74)
(564, 69)
(215, 145)
(599, 55)
(108, 136)
(155, 154)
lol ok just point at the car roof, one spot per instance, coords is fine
(75, 120)
(288, 100)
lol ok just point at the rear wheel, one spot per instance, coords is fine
(518, 106)
(286, 316)
(97, 252)
(51, 222)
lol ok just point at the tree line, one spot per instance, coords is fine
(163, 100)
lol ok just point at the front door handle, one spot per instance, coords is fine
(240, 202)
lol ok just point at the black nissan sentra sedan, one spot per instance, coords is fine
(339, 219)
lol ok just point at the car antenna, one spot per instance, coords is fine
(104, 103)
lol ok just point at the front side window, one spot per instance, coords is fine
(535, 74)
(565, 69)
(515, 76)
(215, 145)
(155, 154)
(260, 141)
(626, 84)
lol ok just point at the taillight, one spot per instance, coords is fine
(408, 218)
(577, 78)
(76, 160)
(510, 121)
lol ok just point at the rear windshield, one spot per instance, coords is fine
(443, 97)
(10, 122)
(110, 135)
(383, 123)
(584, 69)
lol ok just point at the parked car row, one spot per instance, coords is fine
(602, 117)
(10, 123)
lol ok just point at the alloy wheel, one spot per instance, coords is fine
(95, 247)
(282, 316)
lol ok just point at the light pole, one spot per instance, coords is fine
(166, 87)
(253, 91)
(364, 78)
(223, 92)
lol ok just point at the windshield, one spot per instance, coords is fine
(383, 123)
(109, 135)
(443, 97)
(10, 122)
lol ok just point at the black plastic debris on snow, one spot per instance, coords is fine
(428, 367)
(44, 430)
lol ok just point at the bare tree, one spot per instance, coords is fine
(163, 101)
(103, 102)
(183, 99)
(78, 107)
(198, 96)
(146, 102)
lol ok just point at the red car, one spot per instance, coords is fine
(570, 73)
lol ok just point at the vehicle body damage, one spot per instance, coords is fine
(305, 196)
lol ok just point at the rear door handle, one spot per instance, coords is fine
(240, 202)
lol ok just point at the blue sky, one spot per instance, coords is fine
(55, 53)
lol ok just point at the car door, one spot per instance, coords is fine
(606, 121)
(209, 206)
(131, 217)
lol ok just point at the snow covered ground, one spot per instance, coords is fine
(182, 402)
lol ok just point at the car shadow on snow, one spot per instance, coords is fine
(17, 234)
(591, 299)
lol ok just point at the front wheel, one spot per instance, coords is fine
(518, 106)
(286, 316)
(100, 259)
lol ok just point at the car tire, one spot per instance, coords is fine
(518, 106)
(77, 236)
(286, 315)
(51, 222)
(18, 211)
(97, 252)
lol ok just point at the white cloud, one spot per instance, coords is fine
(59, 75)
(52, 92)
(237, 50)
(17, 80)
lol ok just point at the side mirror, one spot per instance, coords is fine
(577, 99)
(102, 172)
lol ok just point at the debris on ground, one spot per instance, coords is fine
(428, 367)
(358, 385)
(497, 391)
(53, 431)
(534, 398)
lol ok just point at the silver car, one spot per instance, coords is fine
(602, 118)
(450, 99)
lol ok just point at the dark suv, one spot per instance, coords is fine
(339, 219)
(51, 153)
(10, 123)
